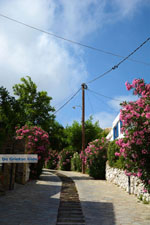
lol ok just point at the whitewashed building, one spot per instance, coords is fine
(115, 131)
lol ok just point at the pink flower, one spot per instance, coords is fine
(144, 190)
(139, 174)
(128, 86)
(127, 173)
(19, 137)
(148, 115)
(134, 155)
(144, 151)
(139, 142)
(25, 131)
(134, 174)
(45, 136)
(147, 108)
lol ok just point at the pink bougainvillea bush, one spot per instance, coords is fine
(135, 147)
(94, 157)
(52, 160)
(65, 159)
(37, 142)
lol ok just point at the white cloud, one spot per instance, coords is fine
(127, 7)
(79, 17)
(105, 119)
(52, 64)
(115, 104)
(25, 51)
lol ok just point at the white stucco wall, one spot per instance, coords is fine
(120, 135)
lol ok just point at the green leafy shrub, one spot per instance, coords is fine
(74, 134)
(97, 168)
(145, 201)
(95, 157)
(76, 162)
(113, 160)
(65, 159)
(52, 160)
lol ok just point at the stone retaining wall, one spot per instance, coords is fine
(11, 173)
(118, 177)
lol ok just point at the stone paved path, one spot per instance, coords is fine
(35, 203)
(104, 203)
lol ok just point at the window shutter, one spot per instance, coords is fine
(117, 130)
(120, 124)
(114, 133)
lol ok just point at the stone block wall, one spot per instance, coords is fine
(8, 173)
(12, 172)
(118, 177)
(22, 173)
(22, 169)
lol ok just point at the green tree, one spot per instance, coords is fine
(74, 134)
(57, 136)
(10, 113)
(35, 106)
(10, 110)
(92, 130)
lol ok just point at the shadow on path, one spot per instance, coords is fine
(35, 203)
(98, 213)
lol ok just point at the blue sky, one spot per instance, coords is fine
(58, 67)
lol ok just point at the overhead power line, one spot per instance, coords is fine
(104, 102)
(63, 100)
(117, 65)
(71, 41)
(103, 95)
(66, 102)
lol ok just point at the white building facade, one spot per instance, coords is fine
(115, 132)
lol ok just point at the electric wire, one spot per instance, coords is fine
(117, 65)
(64, 100)
(90, 47)
(104, 95)
(71, 41)
(105, 103)
(67, 102)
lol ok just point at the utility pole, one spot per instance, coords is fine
(84, 86)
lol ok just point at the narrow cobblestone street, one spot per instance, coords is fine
(102, 203)
(35, 203)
